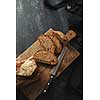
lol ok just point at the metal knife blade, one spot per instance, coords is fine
(60, 58)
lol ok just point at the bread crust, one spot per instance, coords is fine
(56, 41)
(45, 57)
(47, 43)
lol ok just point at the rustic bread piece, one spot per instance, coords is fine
(49, 32)
(47, 43)
(60, 36)
(55, 40)
(57, 44)
(37, 46)
(69, 35)
(45, 57)
(27, 67)
(18, 64)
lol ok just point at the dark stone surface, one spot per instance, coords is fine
(33, 19)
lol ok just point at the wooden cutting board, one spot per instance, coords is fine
(32, 87)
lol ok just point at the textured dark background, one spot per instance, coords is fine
(33, 19)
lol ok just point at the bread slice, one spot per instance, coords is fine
(47, 43)
(27, 68)
(45, 57)
(55, 40)
(57, 44)
(61, 36)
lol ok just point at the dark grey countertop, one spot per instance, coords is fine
(33, 19)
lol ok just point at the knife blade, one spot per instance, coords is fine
(55, 69)
(60, 58)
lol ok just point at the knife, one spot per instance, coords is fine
(55, 69)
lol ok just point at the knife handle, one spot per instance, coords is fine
(52, 77)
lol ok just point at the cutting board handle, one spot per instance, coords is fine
(70, 35)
